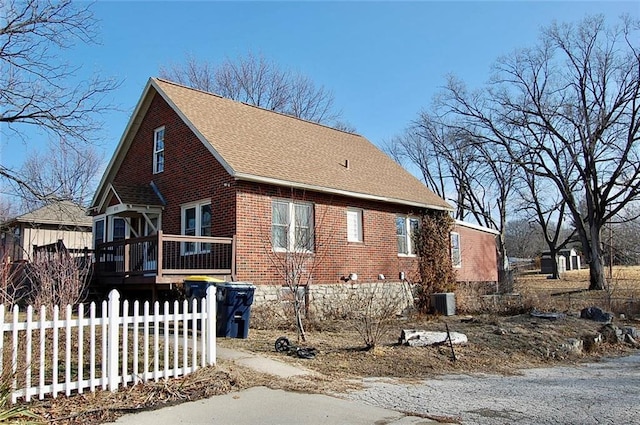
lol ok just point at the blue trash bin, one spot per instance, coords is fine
(195, 287)
(233, 304)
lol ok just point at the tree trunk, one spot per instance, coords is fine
(505, 277)
(297, 305)
(554, 264)
(596, 273)
(596, 267)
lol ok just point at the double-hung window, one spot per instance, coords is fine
(406, 232)
(196, 221)
(98, 232)
(354, 225)
(158, 150)
(291, 226)
(119, 229)
(456, 257)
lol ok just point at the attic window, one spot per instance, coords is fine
(158, 150)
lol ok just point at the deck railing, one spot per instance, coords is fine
(166, 256)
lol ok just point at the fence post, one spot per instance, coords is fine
(112, 343)
(211, 325)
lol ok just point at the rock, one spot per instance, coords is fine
(591, 341)
(630, 330)
(612, 334)
(630, 340)
(500, 331)
(419, 338)
(572, 346)
(546, 315)
(596, 314)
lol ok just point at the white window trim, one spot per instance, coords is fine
(407, 224)
(157, 151)
(292, 228)
(459, 264)
(198, 207)
(359, 223)
(110, 227)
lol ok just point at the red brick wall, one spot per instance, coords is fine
(377, 254)
(190, 172)
(478, 253)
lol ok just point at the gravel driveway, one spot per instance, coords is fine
(607, 392)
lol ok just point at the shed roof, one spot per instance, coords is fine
(64, 213)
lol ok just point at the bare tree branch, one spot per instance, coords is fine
(255, 80)
(37, 86)
(568, 111)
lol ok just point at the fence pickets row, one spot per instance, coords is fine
(175, 342)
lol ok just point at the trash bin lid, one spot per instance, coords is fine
(238, 285)
(202, 279)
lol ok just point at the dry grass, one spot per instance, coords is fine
(570, 293)
(498, 343)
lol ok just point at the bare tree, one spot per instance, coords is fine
(61, 173)
(463, 169)
(38, 87)
(255, 80)
(568, 111)
(296, 250)
(622, 238)
(57, 278)
(12, 283)
(523, 238)
(545, 207)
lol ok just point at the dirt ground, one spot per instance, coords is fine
(503, 344)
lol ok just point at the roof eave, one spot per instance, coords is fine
(117, 157)
(52, 221)
(477, 227)
(333, 191)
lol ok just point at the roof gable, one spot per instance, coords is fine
(255, 144)
(64, 213)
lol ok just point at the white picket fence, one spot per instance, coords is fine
(132, 348)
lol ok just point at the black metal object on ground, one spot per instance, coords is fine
(283, 345)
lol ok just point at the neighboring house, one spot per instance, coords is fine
(200, 184)
(474, 253)
(61, 221)
(567, 259)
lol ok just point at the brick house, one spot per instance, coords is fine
(200, 184)
(474, 253)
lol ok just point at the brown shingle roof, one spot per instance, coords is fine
(259, 144)
(63, 213)
(137, 195)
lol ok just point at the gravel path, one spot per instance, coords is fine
(596, 393)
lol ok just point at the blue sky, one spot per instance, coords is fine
(382, 60)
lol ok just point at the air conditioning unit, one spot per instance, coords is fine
(444, 303)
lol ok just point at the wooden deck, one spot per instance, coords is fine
(163, 260)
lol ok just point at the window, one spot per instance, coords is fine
(354, 225)
(456, 258)
(158, 150)
(287, 237)
(119, 229)
(406, 231)
(196, 221)
(98, 232)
